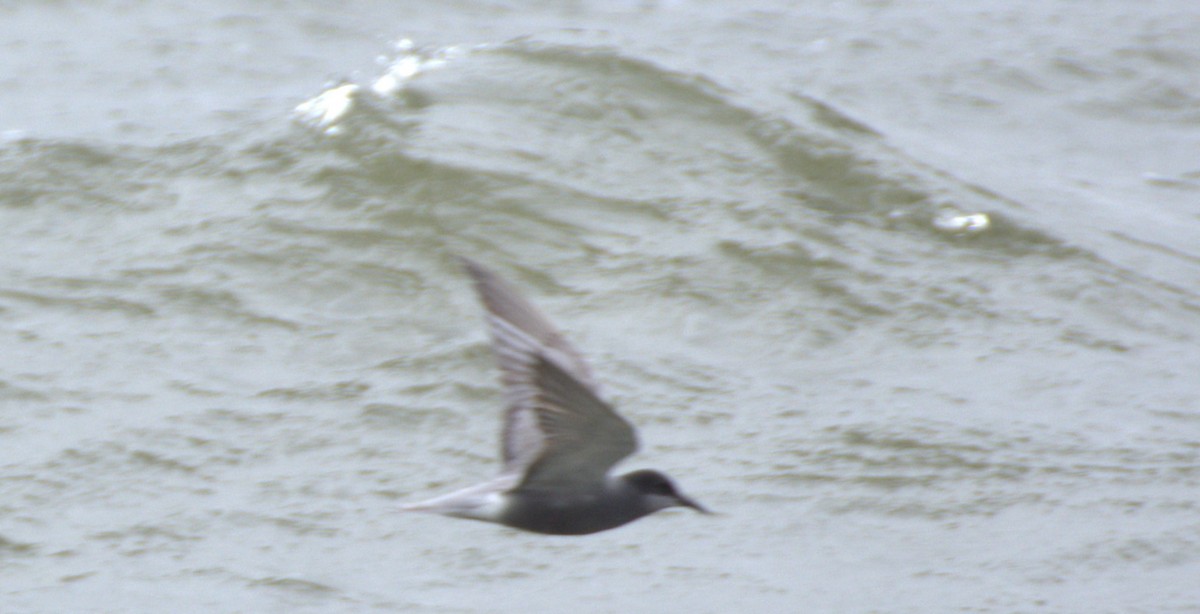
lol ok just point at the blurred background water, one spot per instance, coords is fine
(908, 292)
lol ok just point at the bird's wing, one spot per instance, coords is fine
(518, 315)
(523, 339)
(583, 437)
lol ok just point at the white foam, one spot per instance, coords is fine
(962, 222)
(324, 111)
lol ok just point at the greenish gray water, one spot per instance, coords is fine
(907, 293)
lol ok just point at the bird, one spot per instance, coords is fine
(559, 440)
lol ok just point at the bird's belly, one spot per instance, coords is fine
(567, 516)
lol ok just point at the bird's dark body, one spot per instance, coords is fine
(554, 513)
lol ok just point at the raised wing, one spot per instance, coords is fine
(583, 436)
(528, 348)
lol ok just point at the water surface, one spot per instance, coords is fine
(907, 293)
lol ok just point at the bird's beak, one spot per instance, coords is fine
(686, 502)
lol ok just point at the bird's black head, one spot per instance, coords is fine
(658, 490)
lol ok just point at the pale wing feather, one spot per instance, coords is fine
(505, 304)
(522, 339)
